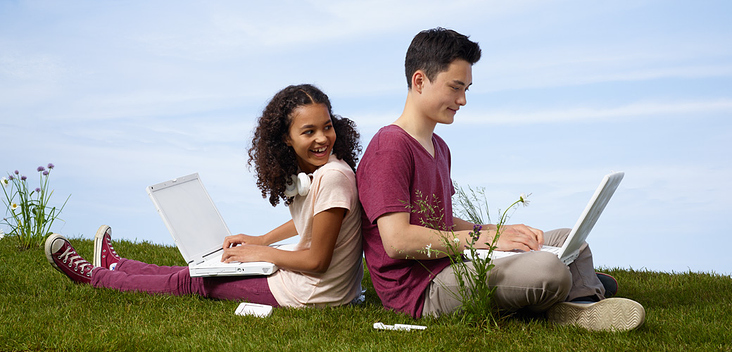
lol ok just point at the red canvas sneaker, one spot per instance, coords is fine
(104, 254)
(64, 258)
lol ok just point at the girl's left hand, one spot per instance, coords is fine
(243, 253)
(235, 240)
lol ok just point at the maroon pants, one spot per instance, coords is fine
(131, 275)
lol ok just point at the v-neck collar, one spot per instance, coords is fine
(432, 139)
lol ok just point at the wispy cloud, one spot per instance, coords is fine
(120, 95)
(686, 109)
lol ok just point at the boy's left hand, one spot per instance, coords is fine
(520, 237)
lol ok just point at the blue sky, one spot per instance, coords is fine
(120, 95)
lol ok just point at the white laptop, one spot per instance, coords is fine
(570, 250)
(198, 229)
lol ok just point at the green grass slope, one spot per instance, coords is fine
(40, 309)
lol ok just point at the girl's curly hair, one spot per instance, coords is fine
(273, 160)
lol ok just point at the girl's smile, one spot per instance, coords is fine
(311, 136)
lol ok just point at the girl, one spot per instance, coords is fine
(298, 159)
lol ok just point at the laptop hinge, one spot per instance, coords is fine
(215, 252)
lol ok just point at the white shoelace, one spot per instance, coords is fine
(109, 245)
(77, 261)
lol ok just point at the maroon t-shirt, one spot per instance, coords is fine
(395, 172)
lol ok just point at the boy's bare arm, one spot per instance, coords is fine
(403, 240)
(461, 224)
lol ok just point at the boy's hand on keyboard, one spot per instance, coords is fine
(520, 237)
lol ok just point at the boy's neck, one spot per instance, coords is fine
(417, 125)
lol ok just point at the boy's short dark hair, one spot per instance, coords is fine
(433, 50)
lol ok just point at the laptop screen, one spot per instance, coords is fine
(190, 215)
(592, 212)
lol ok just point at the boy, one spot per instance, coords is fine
(406, 161)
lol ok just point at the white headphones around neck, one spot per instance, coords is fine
(300, 185)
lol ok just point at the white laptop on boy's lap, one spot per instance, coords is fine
(570, 250)
(198, 229)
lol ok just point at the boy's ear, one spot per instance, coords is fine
(418, 80)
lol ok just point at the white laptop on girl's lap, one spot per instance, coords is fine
(198, 229)
(570, 250)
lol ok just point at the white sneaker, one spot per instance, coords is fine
(611, 314)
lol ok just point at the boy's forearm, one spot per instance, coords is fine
(462, 225)
(402, 240)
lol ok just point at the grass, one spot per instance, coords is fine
(40, 309)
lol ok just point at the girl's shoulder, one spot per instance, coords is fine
(335, 164)
(336, 174)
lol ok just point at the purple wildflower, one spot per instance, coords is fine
(38, 190)
(45, 173)
(51, 166)
(41, 168)
(17, 172)
(10, 177)
(476, 232)
(23, 178)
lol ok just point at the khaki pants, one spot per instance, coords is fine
(534, 280)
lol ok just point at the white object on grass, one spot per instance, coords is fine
(407, 327)
(259, 310)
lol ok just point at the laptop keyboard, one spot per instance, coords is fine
(551, 249)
